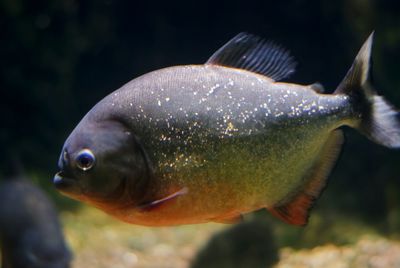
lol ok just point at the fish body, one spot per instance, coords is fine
(225, 141)
(200, 143)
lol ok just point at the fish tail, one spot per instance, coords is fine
(373, 115)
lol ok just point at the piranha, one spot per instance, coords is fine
(199, 143)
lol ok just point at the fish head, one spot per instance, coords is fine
(102, 163)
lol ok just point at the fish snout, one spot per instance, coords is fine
(61, 181)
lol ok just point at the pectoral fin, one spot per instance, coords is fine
(157, 203)
(297, 207)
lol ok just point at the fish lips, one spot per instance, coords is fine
(62, 182)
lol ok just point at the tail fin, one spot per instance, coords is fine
(380, 121)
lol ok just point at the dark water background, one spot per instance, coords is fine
(58, 58)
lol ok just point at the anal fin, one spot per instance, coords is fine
(297, 207)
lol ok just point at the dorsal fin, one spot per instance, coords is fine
(252, 53)
(296, 210)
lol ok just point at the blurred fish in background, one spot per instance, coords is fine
(31, 235)
(248, 244)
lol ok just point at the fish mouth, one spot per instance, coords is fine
(61, 182)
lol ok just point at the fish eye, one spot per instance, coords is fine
(85, 160)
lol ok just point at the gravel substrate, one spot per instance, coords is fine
(98, 241)
(368, 252)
